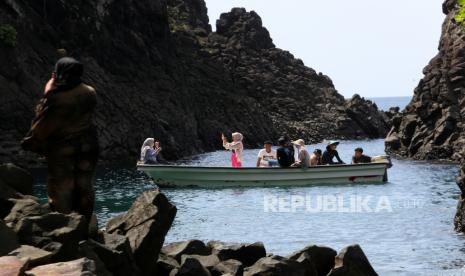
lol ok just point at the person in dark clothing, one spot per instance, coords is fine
(64, 133)
(359, 157)
(284, 154)
(330, 153)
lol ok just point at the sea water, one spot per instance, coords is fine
(411, 234)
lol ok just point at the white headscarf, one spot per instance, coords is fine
(148, 144)
(237, 137)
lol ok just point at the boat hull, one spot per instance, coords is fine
(222, 177)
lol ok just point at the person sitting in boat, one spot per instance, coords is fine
(284, 154)
(236, 147)
(315, 158)
(303, 157)
(359, 157)
(149, 151)
(330, 153)
(267, 156)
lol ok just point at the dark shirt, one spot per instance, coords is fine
(285, 157)
(362, 159)
(328, 157)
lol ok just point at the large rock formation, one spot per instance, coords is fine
(160, 71)
(432, 124)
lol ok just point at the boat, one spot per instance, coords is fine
(228, 177)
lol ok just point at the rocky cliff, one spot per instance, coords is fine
(161, 72)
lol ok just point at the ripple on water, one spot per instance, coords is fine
(416, 238)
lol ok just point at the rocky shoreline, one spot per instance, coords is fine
(36, 241)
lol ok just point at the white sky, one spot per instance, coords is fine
(371, 47)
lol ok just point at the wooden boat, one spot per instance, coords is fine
(223, 177)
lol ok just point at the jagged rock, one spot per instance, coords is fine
(8, 239)
(351, 261)
(206, 261)
(276, 266)
(17, 178)
(306, 260)
(67, 229)
(6, 194)
(229, 267)
(145, 224)
(192, 267)
(190, 247)
(24, 208)
(165, 265)
(247, 254)
(321, 257)
(35, 256)
(81, 266)
(86, 250)
(12, 266)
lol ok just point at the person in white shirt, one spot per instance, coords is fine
(267, 156)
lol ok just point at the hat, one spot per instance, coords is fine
(268, 142)
(282, 141)
(332, 142)
(299, 142)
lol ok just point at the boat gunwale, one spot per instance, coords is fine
(260, 168)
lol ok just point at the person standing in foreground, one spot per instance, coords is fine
(64, 133)
(359, 157)
(303, 157)
(330, 153)
(284, 154)
(267, 156)
(236, 147)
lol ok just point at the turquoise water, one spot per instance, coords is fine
(414, 237)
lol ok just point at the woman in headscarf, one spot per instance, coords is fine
(149, 153)
(64, 133)
(236, 147)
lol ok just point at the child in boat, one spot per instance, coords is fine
(236, 147)
(315, 158)
(149, 151)
(267, 156)
(330, 153)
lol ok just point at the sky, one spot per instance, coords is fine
(371, 47)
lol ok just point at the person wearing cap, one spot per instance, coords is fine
(359, 157)
(285, 154)
(330, 153)
(267, 156)
(303, 157)
(315, 158)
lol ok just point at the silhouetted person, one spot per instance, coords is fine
(331, 153)
(64, 133)
(359, 157)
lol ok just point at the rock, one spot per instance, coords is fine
(12, 266)
(86, 250)
(321, 257)
(145, 224)
(24, 208)
(192, 267)
(81, 266)
(190, 247)
(6, 195)
(93, 226)
(351, 261)
(276, 266)
(247, 254)
(67, 229)
(165, 265)
(229, 267)
(33, 255)
(8, 239)
(17, 178)
(206, 261)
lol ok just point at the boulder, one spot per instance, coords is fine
(24, 208)
(192, 267)
(145, 225)
(165, 265)
(86, 250)
(246, 253)
(35, 256)
(8, 239)
(190, 247)
(207, 261)
(276, 266)
(6, 194)
(351, 261)
(81, 266)
(320, 257)
(17, 178)
(230, 267)
(12, 266)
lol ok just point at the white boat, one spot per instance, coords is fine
(222, 177)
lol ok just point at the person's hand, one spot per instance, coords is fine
(50, 84)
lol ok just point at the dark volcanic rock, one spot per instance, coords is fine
(351, 261)
(192, 267)
(145, 225)
(33, 255)
(276, 266)
(8, 239)
(229, 267)
(11, 265)
(165, 265)
(82, 266)
(321, 258)
(17, 178)
(431, 126)
(190, 247)
(160, 71)
(247, 254)
(24, 208)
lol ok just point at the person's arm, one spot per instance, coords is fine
(259, 160)
(151, 155)
(353, 160)
(336, 154)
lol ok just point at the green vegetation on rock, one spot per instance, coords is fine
(8, 35)
(460, 16)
